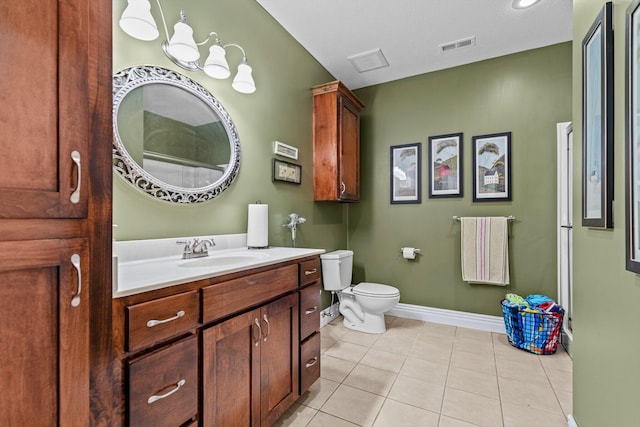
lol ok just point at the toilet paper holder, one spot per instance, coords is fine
(416, 250)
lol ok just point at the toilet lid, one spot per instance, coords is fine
(375, 289)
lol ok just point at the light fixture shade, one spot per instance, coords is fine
(243, 81)
(216, 65)
(182, 46)
(523, 4)
(136, 20)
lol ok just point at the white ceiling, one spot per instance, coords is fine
(409, 32)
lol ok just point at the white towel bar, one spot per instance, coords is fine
(509, 218)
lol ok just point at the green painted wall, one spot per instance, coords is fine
(525, 93)
(606, 321)
(280, 109)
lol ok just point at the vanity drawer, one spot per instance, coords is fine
(163, 386)
(223, 299)
(309, 310)
(309, 271)
(309, 361)
(154, 321)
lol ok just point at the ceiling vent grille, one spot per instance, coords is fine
(367, 61)
(458, 44)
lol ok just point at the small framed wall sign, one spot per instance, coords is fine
(445, 165)
(282, 149)
(405, 173)
(286, 172)
(492, 167)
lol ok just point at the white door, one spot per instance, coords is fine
(565, 227)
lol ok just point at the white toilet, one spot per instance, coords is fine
(362, 306)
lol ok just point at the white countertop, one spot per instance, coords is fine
(134, 273)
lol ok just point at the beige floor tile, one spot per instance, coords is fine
(559, 361)
(395, 414)
(560, 380)
(325, 420)
(438, 329)
(370, 379)
(393, 344)
(434, 349)
(452, 422)
(318, 393)
(521, 366)
(473, 361)
(297, 416)
(347, 351)
(354, 405)
(326, 342)
(566, 401)
(335, 329)
(335, 369)
(474, 408)
(519, 416)
(473, 382)
(423, 394)
(360, 338)
(385, 360)
(522, 392)
(425, 370)
(473, 345)
(474, 334)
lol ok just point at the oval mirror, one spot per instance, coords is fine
(172, 139)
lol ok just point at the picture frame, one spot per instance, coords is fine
(492, 167)
(445, 165)
(632, 137)
(405, 173)
(284, 150)
(286, 172)
(597, 122)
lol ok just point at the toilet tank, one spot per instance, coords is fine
(336, 269)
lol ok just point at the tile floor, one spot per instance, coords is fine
(432, 375)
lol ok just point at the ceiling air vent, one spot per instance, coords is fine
(458, 44)
(367, 61)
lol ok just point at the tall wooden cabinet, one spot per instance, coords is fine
(336, 143)
(55, 213)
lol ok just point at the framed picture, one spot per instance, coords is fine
(597, 122)
(405, 173)
(282, 149)
(492, 167)
(287, 172)
(445, 165)
(632, 137)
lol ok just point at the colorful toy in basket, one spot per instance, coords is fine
(532, 323)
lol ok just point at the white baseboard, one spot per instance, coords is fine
(571, 421)
(463, 319)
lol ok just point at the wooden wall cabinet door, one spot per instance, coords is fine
(336, 143)
(250, 366)
(44, 338)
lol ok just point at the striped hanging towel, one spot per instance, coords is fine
(485, 252)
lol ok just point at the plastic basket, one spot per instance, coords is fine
(531, 330)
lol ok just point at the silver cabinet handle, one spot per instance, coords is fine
(311, 310)
(157, 397)
(75, 196)
(343, 188)
(259, 331)
(310, 272)
(264, 317)
(75, 260)
(311, 362)
(152, 323)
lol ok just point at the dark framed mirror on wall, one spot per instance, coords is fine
(597, 122)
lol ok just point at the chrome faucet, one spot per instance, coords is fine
(196, 249)
(294, 220)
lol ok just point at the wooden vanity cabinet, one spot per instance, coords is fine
(336, 143)
(309, 323)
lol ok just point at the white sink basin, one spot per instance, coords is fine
(222, 260)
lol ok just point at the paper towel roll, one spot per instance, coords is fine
(258, 226)
(409, 253)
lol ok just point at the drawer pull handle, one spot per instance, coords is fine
(311, 362)
(157, 397)
(152, 323)
(311, 310)
(259, 331)
(264, 317)
(75, 261)
(75, 196)
(310, 272)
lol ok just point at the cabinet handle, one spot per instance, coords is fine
(157, 397)
(264, 317)
(152, 323)
(75, 260)
(311, 362)
(311, 310)
(259, 331)
(310, 272)
(343, 188)
(75, 196)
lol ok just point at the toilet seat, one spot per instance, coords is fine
(379, 290)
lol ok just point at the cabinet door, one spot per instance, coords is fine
(279, 357)
(44, 338)
(45, 111)
(231, 372)
(349, 151)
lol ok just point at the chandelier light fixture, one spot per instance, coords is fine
(182, 49)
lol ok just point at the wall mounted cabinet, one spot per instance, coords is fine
(336, 143)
